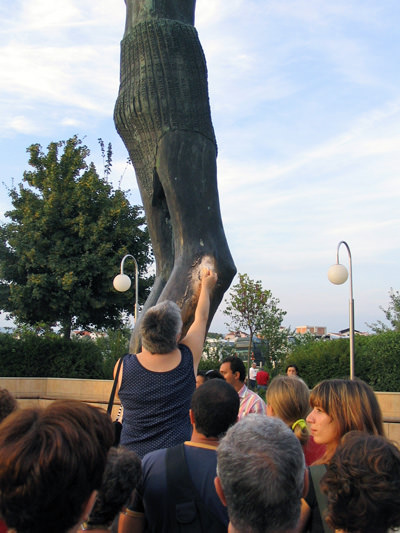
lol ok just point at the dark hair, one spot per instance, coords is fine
(213, 374)
(120, 478)
(8, 404)
(51, 460)
(237, 365)
(362, 484)
(160, 327)
(215, 407)
(292, 366)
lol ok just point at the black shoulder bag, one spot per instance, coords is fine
(117, 424)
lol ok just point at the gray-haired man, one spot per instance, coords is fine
(260, 476)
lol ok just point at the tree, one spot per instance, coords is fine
(255, 310)
(68, 233)
(392, 314)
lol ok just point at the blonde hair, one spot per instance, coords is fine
(351, 404)
(289, 397)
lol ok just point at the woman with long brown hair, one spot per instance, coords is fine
(338, 406)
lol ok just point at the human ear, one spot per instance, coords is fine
(220, 492)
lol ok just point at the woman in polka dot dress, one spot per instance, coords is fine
(155, 386)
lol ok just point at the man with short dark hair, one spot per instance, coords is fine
(178, 483)
(260, 476)
(234, 372)
(292, 370)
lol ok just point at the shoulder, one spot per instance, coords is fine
(153, 459)
(257, 398)
(186, 353)
(256, 402)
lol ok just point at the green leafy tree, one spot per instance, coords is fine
(255, 310)
(68, 233)
(392, 315)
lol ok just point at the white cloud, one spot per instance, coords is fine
(305, 100)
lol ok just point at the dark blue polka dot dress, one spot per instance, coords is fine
(156, 404)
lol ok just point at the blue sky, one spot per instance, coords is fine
(305, 99)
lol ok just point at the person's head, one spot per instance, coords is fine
(8, 404)
(260, 475)
(200, 378)
(214, 408)
(362, 484)
(51, 462)
(288, 398)
(340, 406)
(213, 374)
(233, 370)
(254, 365)
(160, 327)
(292, 370)
(121, 477)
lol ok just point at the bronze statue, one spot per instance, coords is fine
(163, 116)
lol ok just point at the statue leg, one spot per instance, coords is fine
(160, 230)
(186, 166)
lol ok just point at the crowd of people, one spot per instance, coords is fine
(200, 452)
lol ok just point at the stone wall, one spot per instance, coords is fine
(41, 391)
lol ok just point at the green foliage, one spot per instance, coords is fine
(377, 360)
(113, 346)
(49, 356)
(392, 314)
(255, 310)
(68, 233)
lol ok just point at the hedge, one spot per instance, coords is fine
(33, 356)
(376, 360)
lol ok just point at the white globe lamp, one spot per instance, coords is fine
(338, 274)
(122, 282)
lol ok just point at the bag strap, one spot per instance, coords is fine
(317, 471)
(181, 491)
(114, 388)
(189, 514)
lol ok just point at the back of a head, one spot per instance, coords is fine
(8, 404)
(362, 484)
(352, 404)
(261, 469)
(215, 407)
(237, 365)
(51, 460)
(212, 374)
(121, 477)
(290, 399)
(160, 327)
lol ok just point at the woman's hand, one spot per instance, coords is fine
(208, 279)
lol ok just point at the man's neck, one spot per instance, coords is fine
(199, 438)
(231, 529)
(238, 385)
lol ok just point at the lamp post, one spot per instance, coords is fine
(122, 282)
(338, 274)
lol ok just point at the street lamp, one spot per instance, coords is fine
(122, 282)
(338, 274)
